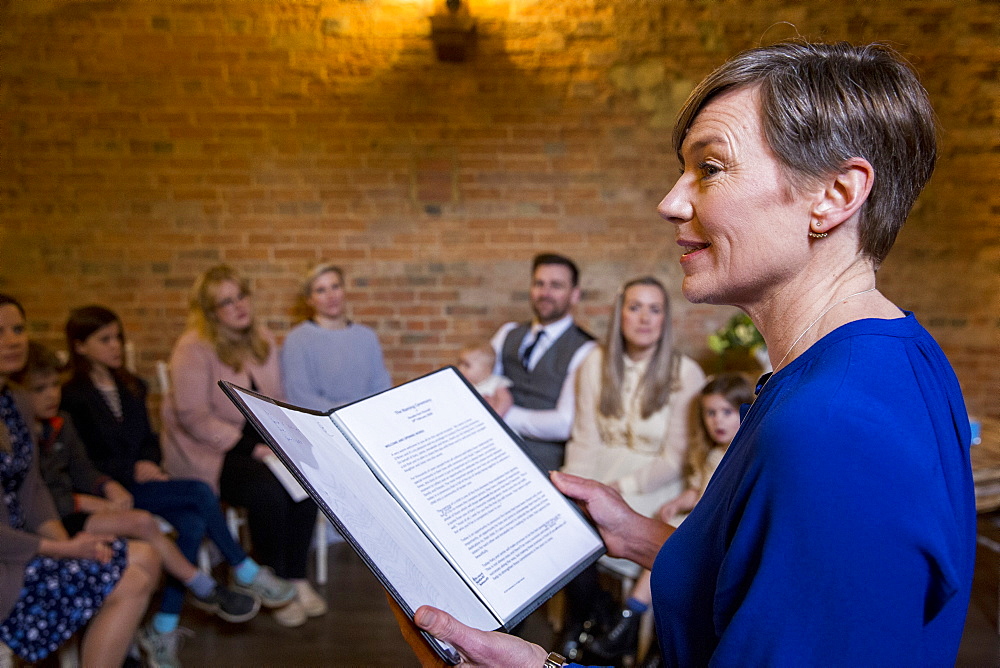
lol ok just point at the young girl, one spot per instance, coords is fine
(108, 407)
(719, 408)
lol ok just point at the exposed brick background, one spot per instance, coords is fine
(141, 142)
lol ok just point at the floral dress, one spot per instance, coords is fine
(58, 596)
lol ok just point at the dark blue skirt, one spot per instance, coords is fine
(58, 598)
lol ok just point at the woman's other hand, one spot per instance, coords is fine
(147, 471)
(260, 452)
(626, 533)
(479, 648)
(118, 497)
(96, 546)
(683, 503)
(84, 545)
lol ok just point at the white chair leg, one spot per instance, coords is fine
(204, 558)
(322, 548)
(646, 634)
(69, 654)
(234, 521)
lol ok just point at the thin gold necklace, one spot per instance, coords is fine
(811, 324)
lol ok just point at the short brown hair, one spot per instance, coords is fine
(41, 360)
(822, 104)
(562, 260)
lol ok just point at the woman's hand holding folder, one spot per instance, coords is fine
(626, 533)
(478, 648)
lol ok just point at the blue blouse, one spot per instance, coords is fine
(840, 527)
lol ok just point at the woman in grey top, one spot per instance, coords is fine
(328, 361)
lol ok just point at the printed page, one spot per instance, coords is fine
(374, 520)
(498, 518)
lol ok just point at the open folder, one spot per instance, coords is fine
(434, 492)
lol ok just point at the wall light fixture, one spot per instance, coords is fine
(453, 32)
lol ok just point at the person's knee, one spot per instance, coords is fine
(142, 574)
(141, 524)
(200, 494)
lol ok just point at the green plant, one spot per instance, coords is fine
(738, 333)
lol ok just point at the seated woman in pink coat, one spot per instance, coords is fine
(206, 437)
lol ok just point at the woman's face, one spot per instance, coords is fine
(721, 418)
(13, 341)
(104, 347)
(742, 229)
(326, 296)
(233, 310)
(642, 318)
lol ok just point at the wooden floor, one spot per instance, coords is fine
(360, 631)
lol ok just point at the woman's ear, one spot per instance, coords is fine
(842, 195)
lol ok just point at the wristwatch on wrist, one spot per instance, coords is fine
(554, 660)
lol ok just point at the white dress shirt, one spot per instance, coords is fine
(552, 424)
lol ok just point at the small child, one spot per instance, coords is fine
(476, 364)
(719, 410)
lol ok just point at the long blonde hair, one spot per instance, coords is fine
(202, 318)
(662, 373)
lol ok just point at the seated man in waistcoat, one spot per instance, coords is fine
(541, 358)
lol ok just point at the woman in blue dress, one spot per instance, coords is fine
(839, 528)
(52, 585)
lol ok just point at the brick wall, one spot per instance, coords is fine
(145, 141)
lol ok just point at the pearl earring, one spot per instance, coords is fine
(818, 235)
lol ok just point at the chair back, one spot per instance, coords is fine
(163, 376)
